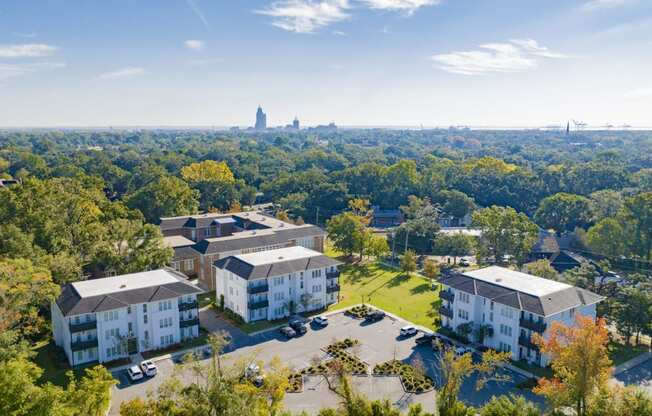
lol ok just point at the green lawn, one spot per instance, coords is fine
(620, 353)
(408, 297)
(53, 364)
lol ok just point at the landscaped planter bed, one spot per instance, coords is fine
(411, 380)
(359, 311)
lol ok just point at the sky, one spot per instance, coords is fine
(352, 62)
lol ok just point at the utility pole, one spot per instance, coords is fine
(317, 218)
(393, 245)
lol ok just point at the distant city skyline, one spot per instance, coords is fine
(387, 63)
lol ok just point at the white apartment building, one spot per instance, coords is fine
(107, 319)
(509, 306)
(273, 284)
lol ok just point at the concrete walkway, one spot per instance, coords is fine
(634, 362)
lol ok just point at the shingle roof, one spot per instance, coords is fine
(546, 243)
(184, 253)
(251, 239)
(71, 302)
(246, 270)
(547, 304)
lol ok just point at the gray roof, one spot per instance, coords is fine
(184, 253)
(545, 305)
(249, 271)
(546, 243)
(71, 302)
(249, 239)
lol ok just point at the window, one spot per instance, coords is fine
(176, 265)
(507, 312)
(129, 309)
(112, 333)
(491, 316)
(130, 328)
(190, 264)
(145, 318)
(278, 296)
(316, 273)
(278, 281)
(146, 334)
(316, 288)
(571, 313)
(504, 347)
(506, 330)
(464, 297)
(461, 313)
(165, 322)
(207, 232)
(80, 356)
(110, 316)
(165, 305)
(144, 308)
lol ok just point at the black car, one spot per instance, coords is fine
(374, 316)
(425, 339)
(288, 332)
(298, 327)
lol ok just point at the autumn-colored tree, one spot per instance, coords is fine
(409, 262)
(580, 364)
(214, 181)
(360, 208)
(431, 269)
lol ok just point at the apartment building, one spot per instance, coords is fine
(273, 284)
(185, 258)
(502, 308)
(107, 319)
(218, 236)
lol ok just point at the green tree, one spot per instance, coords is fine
(564, 212)
(347, 232)
(455, 245)
(509, 406)
(607, 237)
(166, 196)
(214, 181)
(131, 246)
(633, 311)
(431, 269)
(505, 232)
(542, 268)
(409, 262)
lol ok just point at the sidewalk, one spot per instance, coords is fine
(636, 361)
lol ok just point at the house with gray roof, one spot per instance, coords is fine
(107, 319)
(217, 236)
(507, 307)
(273, 284)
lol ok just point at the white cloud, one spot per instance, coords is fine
(195, 45)
(123, 73)
(16, 70)
(517, 55)
(28, 50)
(639, 93)
(406, 6)
(338, 33)
(306, 16)
(593, 5)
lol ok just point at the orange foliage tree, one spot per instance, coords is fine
(580, 364)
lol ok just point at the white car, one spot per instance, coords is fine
(320, 320)
(149, 368)
(134, 373)
(408, 331)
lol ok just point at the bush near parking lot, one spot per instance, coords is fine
(359, 311)
(413, 381)
(295, 384)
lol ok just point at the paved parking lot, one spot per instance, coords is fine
(379, 343)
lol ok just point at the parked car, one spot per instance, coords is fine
(288, 332)
(462, 350)
(425, 339)
(320, 321)
(408, 331)
(253, 374)
(298, 327)
(149, 368)
(464, 262)
(374, 316)
(134, 373)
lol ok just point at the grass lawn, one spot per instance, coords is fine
(620, 353)
(206, 299)
(410, 297)
(54, 365)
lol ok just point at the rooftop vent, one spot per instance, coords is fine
(280, 257)
(498, 280)
(123, 286)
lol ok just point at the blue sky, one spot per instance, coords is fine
(355, 62)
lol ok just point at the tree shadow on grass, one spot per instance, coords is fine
(398, 280)
(433, 311)
(355, 274)
(422, 288)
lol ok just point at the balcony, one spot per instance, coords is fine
(83, 326)
(443, 310)
(527, 342)
(333, 275)
(332, 288)
(532, 325)
(258, 304)
(83, 345)
(184, 306)
(252, 290)
(447, 295)
(188, 322)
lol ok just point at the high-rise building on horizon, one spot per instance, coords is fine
(261, 119)
(295, 123)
